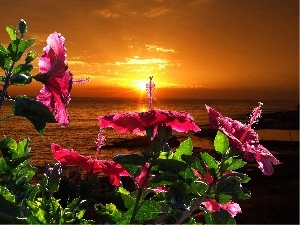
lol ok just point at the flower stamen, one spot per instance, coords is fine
(256, 113)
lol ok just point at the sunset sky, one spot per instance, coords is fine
(193, 48)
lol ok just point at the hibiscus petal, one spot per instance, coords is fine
(71, 157)
(122, 123)
(232, 208)
(243, 138)
(114, 171)
(213, 117)
(55, 93)
(211, 205)
(266, 161)
(138, 122)
(56, 42)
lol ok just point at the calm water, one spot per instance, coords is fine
(83, 129)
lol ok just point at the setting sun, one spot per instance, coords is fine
(140, 85)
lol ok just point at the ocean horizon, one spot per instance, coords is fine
(82, 132)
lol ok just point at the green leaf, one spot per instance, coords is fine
(230, 185)
(16, 49)
(36, 211)
(188, 175)
(30, 57)
(163, 180)
(220, 217)
(13, 150)
(123, 190)
(195, 163)
(134, 159)
(7, 194)
(131, 162)
(17, 161)
(8, 146)
(9, 208)
(2, 50)
(43, 183)
(79, 214)
(186, 147)
(122, 201)
(221, 143)
(6, 219)
(177, 195)
(4, 59)
(126, 217)
(148, 210)
(26, 174)
(33, 192)
(132, 169)
(30, 42)
(110, 213)
(223, 198)
(37, 113)
(11, 32)
(241, 177)
(236, 164)
(23, 147)
(22, 27)
(165, 155)
(168, 165)
(244, 178)
(3, 166)
(244, 193)
(209, 160)
(22, 69)
(198, 188)
(4, 62)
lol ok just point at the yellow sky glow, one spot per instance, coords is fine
(206, 48)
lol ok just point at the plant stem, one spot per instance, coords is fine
(195, 206)
(6, 84)
(139, 195)
(2, 97)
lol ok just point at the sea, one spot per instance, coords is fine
(83, 130)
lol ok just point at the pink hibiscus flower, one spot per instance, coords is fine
(243, 138)
(231, 207)
(56, 79)
(137, 122)
(71, 158)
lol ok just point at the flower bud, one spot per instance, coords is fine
(54, 175)
(30, 57)
(22, 27)
(20, 79)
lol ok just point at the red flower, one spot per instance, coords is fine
(57, 81)
(137, 122)
(72, 158)
(231, 207)
(243, 138)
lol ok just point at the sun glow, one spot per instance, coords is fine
(140, 85)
